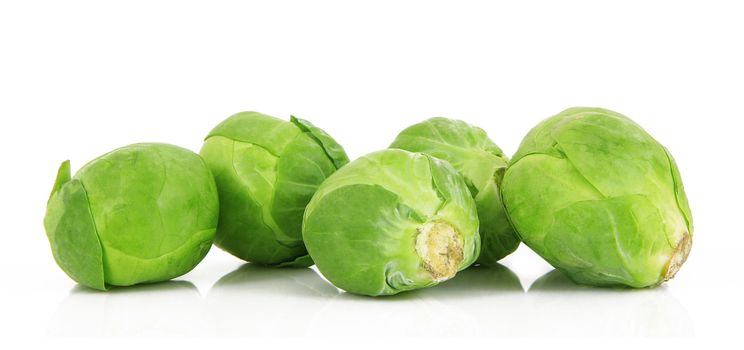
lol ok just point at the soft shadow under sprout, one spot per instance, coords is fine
(266, 301)
(138, 288)
(158, 309)
(477, 301)
(556, 281)
(284, 281)
(558, 306)
(477, 281)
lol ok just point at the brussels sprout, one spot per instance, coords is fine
(482, 165)
(596, 196)
(392, 221)
(142, 213)
(266, 171)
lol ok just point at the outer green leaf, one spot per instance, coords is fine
(600, 199)
(300, 170)
(267, 170)
(613, 241)
(245, 177)
(457, 207)
(72, 232)
(142, 213)
(679, 192)
(63, 176)
(370, 239)
(259, 129)
(535, 187)
(409, 177)
(498, 238)
(333, 150)
(361, 226)
(481, 163)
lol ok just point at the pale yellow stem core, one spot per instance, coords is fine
(679, 256)
(440, 248)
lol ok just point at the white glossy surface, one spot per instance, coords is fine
(78, 79)
(247, 300)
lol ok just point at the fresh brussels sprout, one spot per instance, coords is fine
(392, 221)
(596, 196)
(482, 165)
(266, 171)
(142, 213)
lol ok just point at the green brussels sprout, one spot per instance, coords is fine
(142, 213)
(602, 201)
(266, 171)
(482, 165)
(392, 221)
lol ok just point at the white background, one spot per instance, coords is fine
(78, 79)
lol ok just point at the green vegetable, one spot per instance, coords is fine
(392, 221)
(266, 171)
(142, 213)
(600, 199)
(482, 165)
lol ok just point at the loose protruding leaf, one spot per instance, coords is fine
(72, 232)
(333, 150)
(63, 176)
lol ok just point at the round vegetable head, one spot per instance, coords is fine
(600, 199)
(142, 213)
(392, 221)
(481, 163)
(266, 171)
